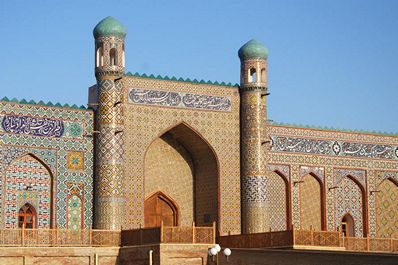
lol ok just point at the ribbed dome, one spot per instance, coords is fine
(109, 27)
(253, 49)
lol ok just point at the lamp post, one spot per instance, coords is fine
(213, 252)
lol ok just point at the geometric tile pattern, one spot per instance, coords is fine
(277, 202)
(219, 129)
(53, 152)
(366, 170)
(358, 175)
(74, 212)
(27, 180)
(169, 169)
(386, 208)
(255, 189)
(349, 200)
(310, 203)
(109, 143)
(317, 171)
(255, 201)
(75, 160)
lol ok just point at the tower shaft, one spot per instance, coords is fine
(254, 182)
(109, 197)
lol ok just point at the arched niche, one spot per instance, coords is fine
(279, 201)
(348, 225)
(311, 202)
(349, 197)
(182, 165)
(28, 180)
(386, 209)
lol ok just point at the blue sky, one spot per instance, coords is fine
(331, 63)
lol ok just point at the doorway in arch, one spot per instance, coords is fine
(347, 226)
(159, 208)
(27, 217)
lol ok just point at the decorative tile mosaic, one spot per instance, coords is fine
(254, 189)
(27, 174)
(370, 169)
(330, 147)
(179, 99)
(359, 175)
(317, 171)
(277, 202)
(219, 129)
(348, 199)
(35, 126)
(75, 212)
(310, 203)
(386, 209)
(75, 160)
(52, 152)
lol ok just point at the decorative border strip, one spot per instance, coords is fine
(179, 99)
(331, 147)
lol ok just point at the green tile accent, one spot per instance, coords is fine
(42, 103)
(325, 128)
(180, 79)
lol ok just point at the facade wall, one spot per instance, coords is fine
(350, 167)
(211, 112)
(46, 157)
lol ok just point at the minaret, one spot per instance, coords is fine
(253, 91)
(109, 37)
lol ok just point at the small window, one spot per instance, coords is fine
(100, 56)
(252, 75)
(113, 57)
(263, 77)
(123, 60)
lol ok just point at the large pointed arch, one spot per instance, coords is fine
(312, 202)
(386, 209)
(183, 165)
(279, 196)
(29, 180)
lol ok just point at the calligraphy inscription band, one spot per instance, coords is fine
(33, 126)
(338, 148)
(179, 99)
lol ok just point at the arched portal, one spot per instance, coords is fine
(311, 203)
(386, 209)
(349, 198)
(348, 225)
(28, 180)
(159, 208)
(279, 201)
(27, 217)
(182, 165)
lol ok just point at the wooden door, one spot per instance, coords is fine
(159, 208)
(27, 217)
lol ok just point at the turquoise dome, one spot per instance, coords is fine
(109, 27)
(253, 49)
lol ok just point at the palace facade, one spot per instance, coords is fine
(152, 149)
